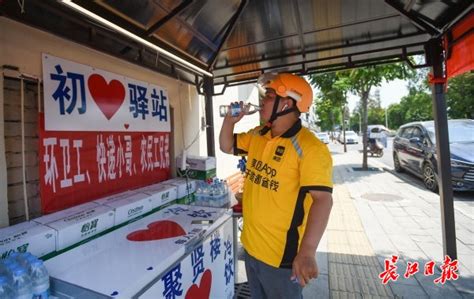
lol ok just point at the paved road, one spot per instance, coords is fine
(387, 161)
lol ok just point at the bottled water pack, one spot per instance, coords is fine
(23, 276)
(214, 193)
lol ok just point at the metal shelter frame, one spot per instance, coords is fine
(219, 37)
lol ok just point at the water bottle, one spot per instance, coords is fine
(235, 109)
(3, 268)
(9, 265)
(199, 195)
(39, 279)
(5, 288)
(14, 256)
(205, 196)
(225, 191)
(24, 259)
(21, 284)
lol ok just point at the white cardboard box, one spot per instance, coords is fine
(183, 188)
(125, 261)
(65, 213)
(27, 237)
(79, 223)
(161, 194)
(128, 205)
(197, 162)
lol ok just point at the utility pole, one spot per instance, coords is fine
(386, 118)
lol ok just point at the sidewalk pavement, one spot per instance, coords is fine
(377, 215)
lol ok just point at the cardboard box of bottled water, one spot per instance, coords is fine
(28, 236)
(78, 223)
(161, 194)
(197, 162)
(128, 205)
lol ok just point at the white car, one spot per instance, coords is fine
(323, 136)
(351, 137)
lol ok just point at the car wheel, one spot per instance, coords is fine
(429, 178)
(396, 163)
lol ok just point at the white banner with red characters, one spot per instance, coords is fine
(79, 97)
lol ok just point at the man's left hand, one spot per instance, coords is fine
(305, 267)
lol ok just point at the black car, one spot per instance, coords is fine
(414, 150)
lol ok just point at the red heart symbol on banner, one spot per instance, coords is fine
(108, 97)
(203, 290)
(157, 230)
(126, 126)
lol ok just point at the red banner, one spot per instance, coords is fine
(77, 167)
(461, 47)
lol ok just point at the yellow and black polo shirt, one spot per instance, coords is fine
(280, 172)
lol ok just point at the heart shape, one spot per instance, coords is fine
(157, 230)
(203, 290)
(126, 126)
(108, 97)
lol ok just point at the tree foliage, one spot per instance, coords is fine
(418, 104)
(460, 96)
(359, 81)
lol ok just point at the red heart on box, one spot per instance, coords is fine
(157, 230)
(203, 290)
(108, 97)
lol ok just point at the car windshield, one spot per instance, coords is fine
(459, 131)
(322, 135)
(352, 134)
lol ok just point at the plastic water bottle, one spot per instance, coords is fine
(24, 259)
(3, 268)
(205, 196)
(39, 279)
(235, 109)
(9, 265)
(5, 288)
(21, 284)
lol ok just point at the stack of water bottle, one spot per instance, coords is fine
(212, 193)
(23, 276)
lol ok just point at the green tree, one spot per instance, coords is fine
(396, 116)
(418, 106)
(327, 114)
(330, 99)
(360, 81)
(460, 96)
(376, 115)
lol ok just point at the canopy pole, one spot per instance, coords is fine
(435, 56)
(208, 87)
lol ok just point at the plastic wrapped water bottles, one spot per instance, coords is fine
(214, 193)
(26, 277)
(40, 279)
(5, 288)
(21, 283)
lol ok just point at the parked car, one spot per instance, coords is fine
(351, 137)
(414, 150)
(323, 136)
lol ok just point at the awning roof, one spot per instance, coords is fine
(236, 40)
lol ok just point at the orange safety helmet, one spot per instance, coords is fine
(289, 85)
